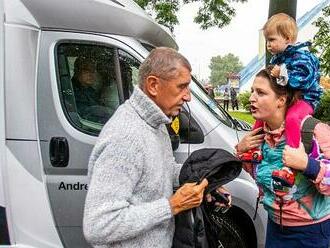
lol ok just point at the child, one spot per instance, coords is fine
(296, 67)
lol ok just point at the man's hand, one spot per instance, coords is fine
(190, 195)
(221, 190)
(295, 158)
(251, 140)
(276, 71)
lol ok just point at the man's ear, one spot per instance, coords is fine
(152, 85)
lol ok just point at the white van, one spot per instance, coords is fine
(46, 140)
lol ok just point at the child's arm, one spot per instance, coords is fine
(302, 71)
(281, 74)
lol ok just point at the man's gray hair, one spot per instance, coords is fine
(162, 62)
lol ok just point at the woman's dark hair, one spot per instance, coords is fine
(277, 88)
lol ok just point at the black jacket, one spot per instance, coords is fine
(193, 227)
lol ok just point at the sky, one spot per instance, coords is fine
(241, 37)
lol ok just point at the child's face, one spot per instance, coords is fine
(276, 43)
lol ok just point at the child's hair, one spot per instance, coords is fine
(283, 25)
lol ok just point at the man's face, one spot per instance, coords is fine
(276, 43)
(171, 94)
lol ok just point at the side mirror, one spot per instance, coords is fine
(184, 129)
(190, 131)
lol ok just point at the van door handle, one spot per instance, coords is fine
(59, 152)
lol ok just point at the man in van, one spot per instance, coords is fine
(130, 201)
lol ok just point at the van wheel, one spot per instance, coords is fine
(229, 233)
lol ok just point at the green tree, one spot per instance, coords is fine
(221, 66)
(212, 13)
(323, 110)
(243, 99)
(321, 41)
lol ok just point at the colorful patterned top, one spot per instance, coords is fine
(303, 71)
(308, 201)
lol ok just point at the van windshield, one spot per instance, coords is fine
(198, 91)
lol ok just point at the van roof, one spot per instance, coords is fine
(120, 17)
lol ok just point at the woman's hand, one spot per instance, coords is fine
(250, 140)
(295, 158)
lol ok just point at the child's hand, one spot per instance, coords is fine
(295, 158)
(275, 72)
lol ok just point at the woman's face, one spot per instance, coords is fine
(265, 104)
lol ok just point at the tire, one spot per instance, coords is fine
(229, 233)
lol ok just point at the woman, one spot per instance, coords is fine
(298, 216)
(226, 99)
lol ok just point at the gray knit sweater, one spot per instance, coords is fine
(132, 172)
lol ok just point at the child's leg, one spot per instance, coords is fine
(294, 116)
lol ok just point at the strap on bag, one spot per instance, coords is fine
(307, 133)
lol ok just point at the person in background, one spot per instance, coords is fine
(210, 91)
(226, 99)
(298, 215)
(83, 80)
(233, 98)
(87, 97)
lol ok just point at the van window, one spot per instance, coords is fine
(129, 72)
(88, 84)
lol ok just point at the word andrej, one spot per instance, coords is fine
(72, 186)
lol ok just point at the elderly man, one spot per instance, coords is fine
(130, 201)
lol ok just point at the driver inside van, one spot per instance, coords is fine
(84, 83)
